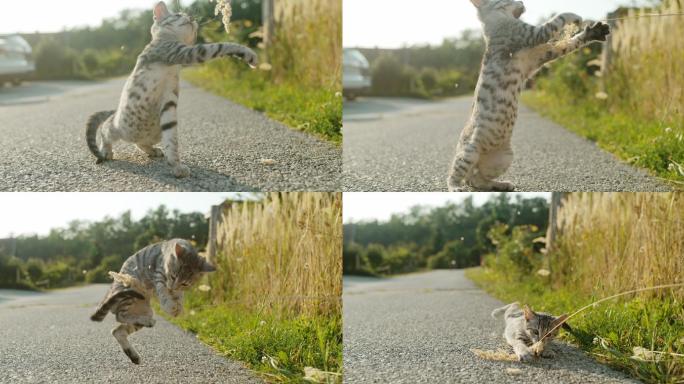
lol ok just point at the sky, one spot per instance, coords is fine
(37, 213)
(381, 205)
(396, 23)
(54, 15)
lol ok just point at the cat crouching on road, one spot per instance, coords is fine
(147, 112)
(164, 269)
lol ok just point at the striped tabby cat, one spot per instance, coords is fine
(514, 52)
(525, 327)
(147, 110)
(165, 269)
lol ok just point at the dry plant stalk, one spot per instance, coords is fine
(498, 355)
(129, 281)
(224, 8)
(282, 254)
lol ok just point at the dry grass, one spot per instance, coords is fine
(648, 66)
(615, 242)
(282, 255)
(307, 42)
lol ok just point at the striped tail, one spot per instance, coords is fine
(111, 301)
(94, 122)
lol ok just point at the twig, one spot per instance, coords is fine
(645, 15)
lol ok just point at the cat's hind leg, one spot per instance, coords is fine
(491, 166)
(121, 334)
(108, 135)
(151, 151)
(462, 167)
(169, 131)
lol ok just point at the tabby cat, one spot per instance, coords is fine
(524, 327)
(147, 110)
(165, 269)
(514, 52)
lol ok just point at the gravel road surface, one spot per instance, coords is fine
(420, 328)
(408, 145)
(42, 128)
(49, 338)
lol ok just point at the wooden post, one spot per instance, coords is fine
(552, 228)
(607, 53)
(268, 20)
(213, 226)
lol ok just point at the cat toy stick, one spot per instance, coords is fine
(609, 298)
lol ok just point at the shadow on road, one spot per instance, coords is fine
(201, 179)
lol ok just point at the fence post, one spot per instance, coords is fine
(213, 225)
(607, 52)
(551, 230)
(268, 20)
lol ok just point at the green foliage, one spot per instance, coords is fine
(452, 236)
(60, 258)
(449, 69)
(277, 347)
(610, 330)
(515, 249)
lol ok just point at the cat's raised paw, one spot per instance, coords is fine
(181, 171)
(526, 357)
(597, 32)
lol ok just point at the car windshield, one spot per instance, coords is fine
(353, 55)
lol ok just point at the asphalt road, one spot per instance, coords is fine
(408, 145)
(420, 329)
(49, 338)
(42, 146)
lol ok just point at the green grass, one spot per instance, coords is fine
(609, 331)
(277, 348)
(314, 110)
(645, 144)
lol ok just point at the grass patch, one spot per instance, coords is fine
(654, 145)
(313, 110)
(608, 332)
(277, 348)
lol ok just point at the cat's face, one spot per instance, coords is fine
(185, 267)
(177, 26)
(539, 324)
(496, 10)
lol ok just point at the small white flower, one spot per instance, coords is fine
(223, 7)
(668, 130)
(204, 288)
(265, 66)
(262, 323)
(601, 96)
(543, 272)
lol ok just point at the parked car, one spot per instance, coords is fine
(357, 77)
(16, 59)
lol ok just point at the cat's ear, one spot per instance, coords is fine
(179, 250)
(529, 313)
(560, 319)
(161, 12)
(477, 3)
(206, 267)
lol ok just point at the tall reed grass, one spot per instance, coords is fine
(282, 255)
(615, 242)
(307, 42)
(647, 72)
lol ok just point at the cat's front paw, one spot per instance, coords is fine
(548, 354)
(597, 32)
(156, 153)
(181, 171)
(526, 357)
(250, 57)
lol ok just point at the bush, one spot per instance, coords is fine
(516, 251)
(101, 273)
(55, 61)
(374, 256)
(455, 254)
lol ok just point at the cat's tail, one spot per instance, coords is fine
(94, 123)
(498, 311)
(112, 300)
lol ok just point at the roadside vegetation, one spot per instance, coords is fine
(608, 244)
(449, 69)
(452, 236)
(84, 252)
(299, 80)
(275, 300)
(635, 107)
(298, 83)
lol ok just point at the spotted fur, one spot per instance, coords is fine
(515, 51)
(524, 327)
(147, 109)
(164, 269)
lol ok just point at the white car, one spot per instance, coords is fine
(16, 61)
(357, 78)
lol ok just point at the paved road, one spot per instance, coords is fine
(420, 329)
(406, 145)
(49, 338)
(43, 148)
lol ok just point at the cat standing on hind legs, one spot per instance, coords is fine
(164, 269)
(515, 51)
(147, 113)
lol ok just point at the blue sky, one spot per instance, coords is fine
(395, 23)
(28, 213)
